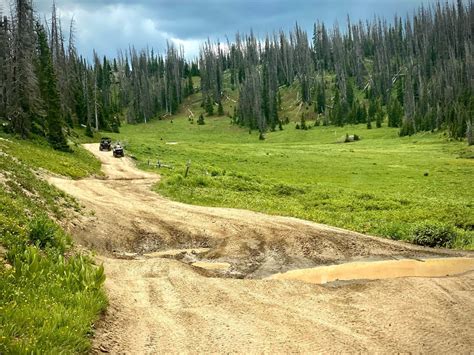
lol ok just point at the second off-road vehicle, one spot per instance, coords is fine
(118, 151)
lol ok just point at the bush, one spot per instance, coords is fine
(200, 120)
(434, 234)
(46, 234)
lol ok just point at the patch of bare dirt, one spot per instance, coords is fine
(161, 303)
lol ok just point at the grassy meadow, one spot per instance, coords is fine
(382, 185)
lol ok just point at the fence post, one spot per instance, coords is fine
(188, 164)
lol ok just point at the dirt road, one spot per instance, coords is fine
(159, 302)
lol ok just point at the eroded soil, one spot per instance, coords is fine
(159, 302)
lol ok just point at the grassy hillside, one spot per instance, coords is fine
(49, 294)
(382, 185)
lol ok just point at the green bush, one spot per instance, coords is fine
(434, 234)
(44, 233)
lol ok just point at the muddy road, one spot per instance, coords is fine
(184, 278)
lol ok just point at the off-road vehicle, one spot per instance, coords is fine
(105, 144)
(118, 151)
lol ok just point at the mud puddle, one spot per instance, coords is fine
(374, 270)
(213, 266)
(175, 253)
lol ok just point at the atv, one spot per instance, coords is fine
(105, 144)
(118, 151)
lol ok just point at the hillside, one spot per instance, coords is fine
(50, 291)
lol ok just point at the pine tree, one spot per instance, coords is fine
(379, 119)
(49, 93)
(320, 104)
(190, 84)
(469, 134)
(209, 106)
(349, 93)
(200, 120)
(23, 92)
(220, 109)
(89, 132)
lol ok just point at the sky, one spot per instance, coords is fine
(109, 25)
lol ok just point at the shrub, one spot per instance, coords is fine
(46, 234)
(89, 132)
(434, 234)
(200, 120)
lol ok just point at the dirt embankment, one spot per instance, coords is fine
(159, 302)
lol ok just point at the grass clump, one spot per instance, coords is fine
(436, 234)
(44, 233)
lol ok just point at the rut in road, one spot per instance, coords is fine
(165, 304)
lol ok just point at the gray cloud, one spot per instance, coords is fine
(108, 25)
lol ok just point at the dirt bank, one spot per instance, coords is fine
(159, 302)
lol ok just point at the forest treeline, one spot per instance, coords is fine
(47, 87)
(416, 73)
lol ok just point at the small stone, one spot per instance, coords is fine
(103, 349)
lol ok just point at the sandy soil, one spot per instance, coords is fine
(159, 302)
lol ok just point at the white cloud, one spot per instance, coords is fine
(112, 27)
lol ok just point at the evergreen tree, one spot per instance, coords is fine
(349, 93)
(469, 134)
(49, 93)
(209, 106)
(190, 84)
(200, 120)
(220, 109)
(395, 113)
(89, 132)
(379, 119)
(320, 104)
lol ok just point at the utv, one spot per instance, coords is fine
(118, 151)
(105, 144)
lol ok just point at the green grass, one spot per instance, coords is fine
(48, 301)
(37, 153)
(376, 186)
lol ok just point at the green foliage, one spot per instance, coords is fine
(50, 95)
(303, 125)
(37, 154)
(395, 113)
(369, 123)
(47, 301)
(44, 233)
(379, 119)
(434, 234)
(408, 128)
(220, 109)
(209, 105)
(200, 120)
(89, 132)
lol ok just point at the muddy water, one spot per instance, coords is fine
(176, 252)
(212, 266)
(373, 270)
